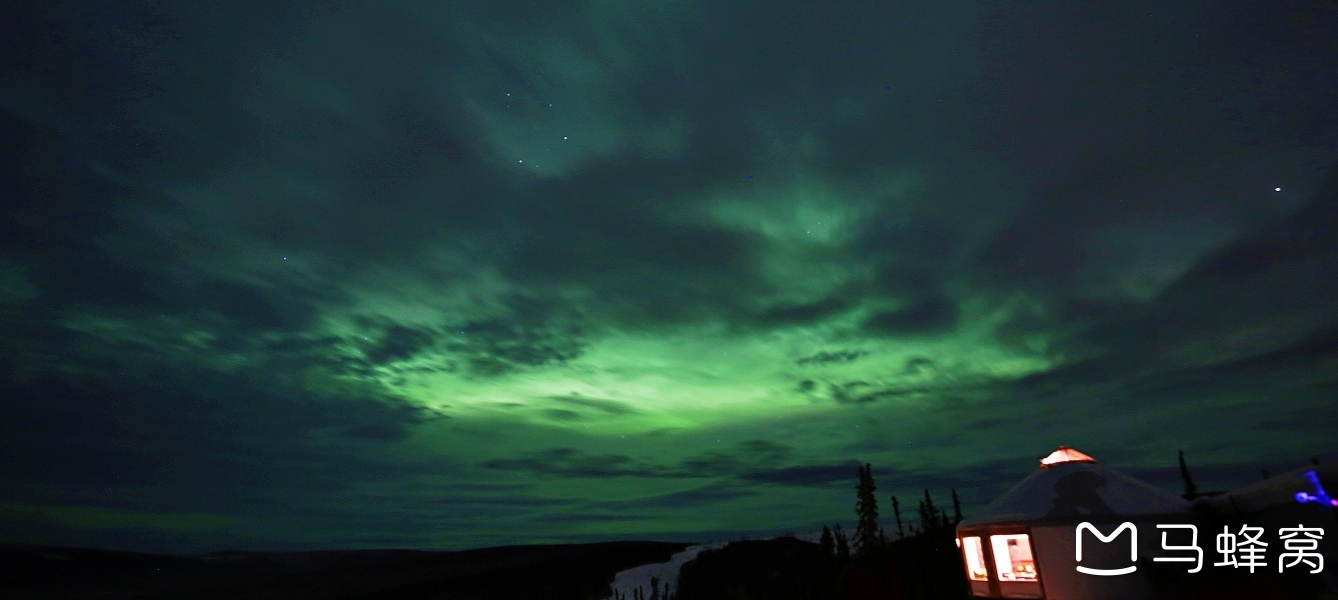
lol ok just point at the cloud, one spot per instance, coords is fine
(398, 343)
(805, 313)
(612, 407)
(695, 497)
(804, 475)
(927, 316)
(570, 462)
(839, 356)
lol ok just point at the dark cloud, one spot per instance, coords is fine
(863, 392)
(519, 500)
(742, 458)
(927, 316)
(918, 365)
(711, 464)
(497, 346)
(840, 356)
(806, 475)
(612, 407)
(570, 462)
(699, 496)
(765, 450)
(805, 313)
(398, 343)
(574, 517)
(558, 414)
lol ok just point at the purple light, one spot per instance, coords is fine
(1321, 496)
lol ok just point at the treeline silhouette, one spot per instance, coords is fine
(918, 561)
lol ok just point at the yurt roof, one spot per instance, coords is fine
(1072, 485)
(1278, 490)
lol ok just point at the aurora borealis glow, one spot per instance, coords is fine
(403, 274)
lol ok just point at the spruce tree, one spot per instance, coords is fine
(1191, 490)
(932, 522)
(956, 508)
(842, 544)
(896, 512)
(654, 588)
(866, 510)
(827, 544)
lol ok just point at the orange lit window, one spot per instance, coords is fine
(1012, 556)
(975, 559)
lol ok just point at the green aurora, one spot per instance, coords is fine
(289, 276)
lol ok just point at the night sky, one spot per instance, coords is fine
(305, 275)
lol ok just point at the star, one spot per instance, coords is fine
(1277, 189)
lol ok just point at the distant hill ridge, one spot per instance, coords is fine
(564, 571)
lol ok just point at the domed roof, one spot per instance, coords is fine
(1073, 487)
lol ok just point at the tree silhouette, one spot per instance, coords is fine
(956, 508)
(929, 514)
(866, 511)
(827, 543)
(1191, 490)
(896, 512)
(842, 544)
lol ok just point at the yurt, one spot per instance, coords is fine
(1072, 530)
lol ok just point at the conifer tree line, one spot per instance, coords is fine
(869, 534)
(640, 594)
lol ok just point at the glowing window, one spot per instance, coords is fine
(975, 559)
(1012, 556)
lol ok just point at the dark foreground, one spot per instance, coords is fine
(926, 567)
(558, 572)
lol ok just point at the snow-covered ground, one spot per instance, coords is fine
(625, 582)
